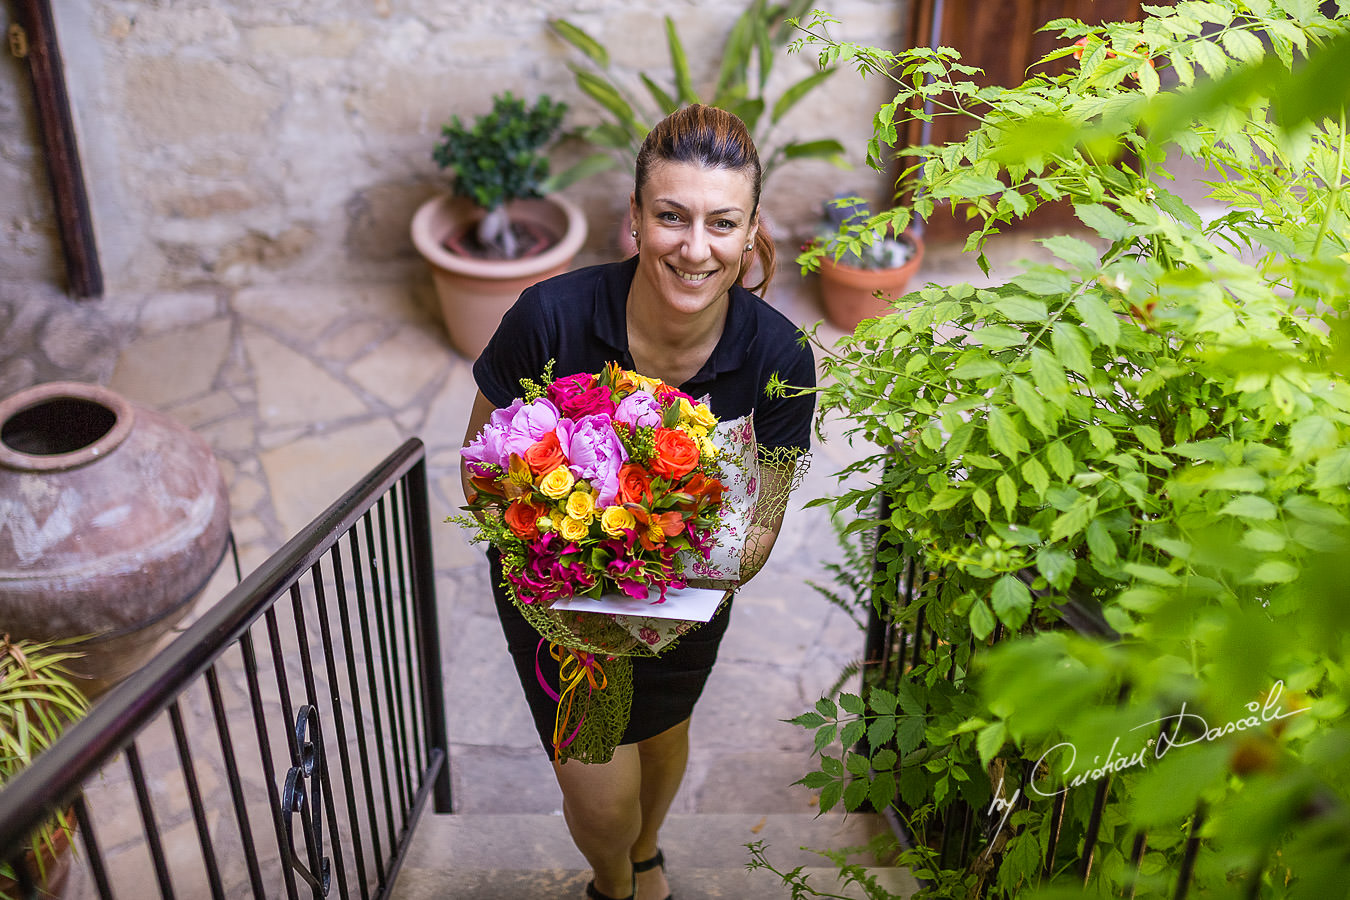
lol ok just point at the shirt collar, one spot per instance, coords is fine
(611, 322)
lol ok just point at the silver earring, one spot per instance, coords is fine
(634, 234)
(749, 247)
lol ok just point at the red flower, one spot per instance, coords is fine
(676, 454)
(701, 491)
(588, 403)
(522, 517)
(635, 485)
(563, 389)
(545, 455)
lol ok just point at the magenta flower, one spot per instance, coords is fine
(564, 389)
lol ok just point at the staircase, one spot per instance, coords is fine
(506, 857)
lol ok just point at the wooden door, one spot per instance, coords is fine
(1002, 37)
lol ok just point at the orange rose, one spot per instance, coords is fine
(522, 518)
(635, 486)
(545, 455)
(676, 454)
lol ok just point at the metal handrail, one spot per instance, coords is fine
(54, 781)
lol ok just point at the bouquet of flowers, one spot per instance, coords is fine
(595, 485)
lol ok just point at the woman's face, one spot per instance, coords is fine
(693, 227)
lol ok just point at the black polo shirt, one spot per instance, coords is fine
(578, 319)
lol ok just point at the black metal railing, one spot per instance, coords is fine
(961, 834)
(286, 743)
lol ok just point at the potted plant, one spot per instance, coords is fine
(38, 699)
(741, 88)
(496, 232)
(863, 280)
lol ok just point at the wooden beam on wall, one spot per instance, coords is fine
(35, 41)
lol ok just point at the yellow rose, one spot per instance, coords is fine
(615, 519)
(707, 450)
(650, 385)
(558, 483)
(573, 529)
(543, 523)
(703, 417)
(581, 505)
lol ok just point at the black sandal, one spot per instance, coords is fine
(592, 893)
(648, 864)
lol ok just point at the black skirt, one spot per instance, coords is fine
(665, 688)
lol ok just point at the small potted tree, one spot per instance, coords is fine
(496, 232)
(38, 699)
(863, 282)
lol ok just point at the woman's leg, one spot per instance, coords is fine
(663, 759)
(602, 806)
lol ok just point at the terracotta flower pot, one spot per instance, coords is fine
(851, 294)
(52, 861)
(474, 293)
(113, 518)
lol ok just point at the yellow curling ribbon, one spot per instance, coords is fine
(574, 669)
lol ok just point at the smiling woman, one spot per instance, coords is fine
(679, 312)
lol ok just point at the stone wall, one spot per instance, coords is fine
(233, 142)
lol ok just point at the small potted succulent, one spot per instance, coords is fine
(38, 699)
(498, 230)
(863, 285)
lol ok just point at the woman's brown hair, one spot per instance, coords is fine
(711, 137)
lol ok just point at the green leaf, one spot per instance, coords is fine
(1151, 574)
(882, 700)
(1073, 520)
(1012, 601)
(1036, 476)
(1032, 405)
(1022, 309)
(999, 337)
(604, 93)
(1274, 571)
(1098, 316)
(1077, 253)
(1210, 58)
(1058, 566)
(1250, 506)
(1049, 377)
(982, 621)
(1242, 45)
(1100, 543)
(1332, 470)
(1102, 220)
(990, 740)
(582, 41)
(1311, 436)
(684, 85)
(880, 730)
(666, 103)
(1045, 282)
(1314, 512)
(1072, 348)
(1005, 435)
(826, 148)
(796, 92)
(1061, 460)
(852, 704)
(1007, 493)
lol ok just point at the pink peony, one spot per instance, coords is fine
(639, 410)
(594, 453)
(529, 423)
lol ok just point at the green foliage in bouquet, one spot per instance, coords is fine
(1156, 423)
(741, 87)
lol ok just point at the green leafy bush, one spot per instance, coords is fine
(1156, 423)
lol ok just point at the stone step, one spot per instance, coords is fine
(503, 857)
